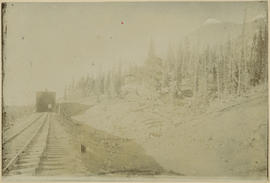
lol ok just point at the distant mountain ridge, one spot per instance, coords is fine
(214, 32)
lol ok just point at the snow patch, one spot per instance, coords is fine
(258, 17)
(211, 21)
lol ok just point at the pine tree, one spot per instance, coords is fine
(153, 70)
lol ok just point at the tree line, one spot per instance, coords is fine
(204, 73)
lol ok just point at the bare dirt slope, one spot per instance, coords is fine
(105, 154)
(230, 141)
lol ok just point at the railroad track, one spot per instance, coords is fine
(60, 158)
(28, 144)
(47, 151)
(18, 129)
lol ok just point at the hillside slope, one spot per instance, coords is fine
(230, 141)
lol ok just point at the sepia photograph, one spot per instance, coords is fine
(144, 91)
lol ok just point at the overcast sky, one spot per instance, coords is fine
(49, 44)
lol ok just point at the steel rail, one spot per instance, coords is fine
(13, 160)
(20, 131)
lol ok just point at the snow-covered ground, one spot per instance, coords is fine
(228, 140)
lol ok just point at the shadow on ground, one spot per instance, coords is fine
(106, 154)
